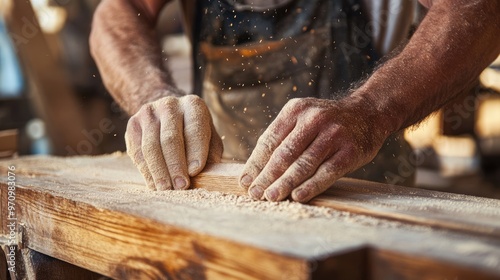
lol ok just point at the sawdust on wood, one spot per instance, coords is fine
(113, 183)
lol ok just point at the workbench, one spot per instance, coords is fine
(95, 213)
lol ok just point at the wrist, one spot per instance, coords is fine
(376, 111)
(135, 104)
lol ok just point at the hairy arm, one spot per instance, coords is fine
(124, 45)
(454, 43)
(314, 142)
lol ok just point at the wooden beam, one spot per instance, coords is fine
(8, 143)
(96, 213)
(54, 99)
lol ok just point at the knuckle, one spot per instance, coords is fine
(305, 102)
(285, 153)
(330, 168)
(333, 169)
(269, 141)
(293, 105)
(175, 169)
(320, 116)
(167, 100)
(168, 104)
(319, 151)
(146, 115)
(192, 99)
(196, 108)
(294, 102)
(146, 109)
(305, 166)
(169, 136)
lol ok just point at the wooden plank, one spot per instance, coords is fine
(95, 212)
(8, 142)
(417, 206)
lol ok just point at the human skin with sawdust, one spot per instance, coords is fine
(312, 142)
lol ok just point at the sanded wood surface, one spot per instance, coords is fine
(444, 210)
(95, 212)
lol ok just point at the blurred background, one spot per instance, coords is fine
(52, 100)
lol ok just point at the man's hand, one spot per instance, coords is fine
(314, 142)
(310, 145)
(171, 139)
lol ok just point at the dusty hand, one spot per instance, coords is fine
(171, 139)
(310, 145)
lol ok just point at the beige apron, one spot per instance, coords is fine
(300, 49)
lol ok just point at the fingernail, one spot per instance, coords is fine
(246, 181)
(256, 192)
(301, 194)
(179, 183)
(193, 166)
(272, 194)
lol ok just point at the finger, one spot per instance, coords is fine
(152, 150)
(133, 142)
(197, 132)
(173, 148)
(267, 143)
(216, 146)
(282, 158)
(327, 173)
(302, 169)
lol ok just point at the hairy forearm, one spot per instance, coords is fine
(453, 44)
(128, 55)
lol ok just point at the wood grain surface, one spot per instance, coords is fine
(96, 213)
(437, 209)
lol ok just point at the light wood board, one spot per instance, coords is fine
(95, 212)
(417, 206)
